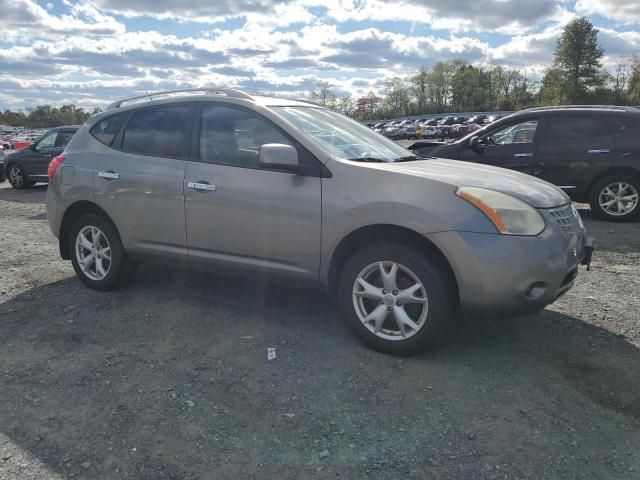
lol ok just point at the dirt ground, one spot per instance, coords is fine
(169, 378)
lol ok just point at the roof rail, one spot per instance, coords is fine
(229, 92)
(578, 107)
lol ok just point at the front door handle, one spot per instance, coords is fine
(597, 151)
(109, 175)
(48, 155)
(523, 155)
(202, 186)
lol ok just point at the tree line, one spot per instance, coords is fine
(46, 116)
(575, 76)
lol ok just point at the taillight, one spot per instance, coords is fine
(53, 166)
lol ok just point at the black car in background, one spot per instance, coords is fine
(25, 167)
(591, 152)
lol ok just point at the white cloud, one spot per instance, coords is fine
(22, 19)
(624, 11)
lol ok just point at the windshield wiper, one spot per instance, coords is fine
(410, 158)
(369, 159)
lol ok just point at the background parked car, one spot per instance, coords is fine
(25, 167)
(394, 132)
(430, 132)
(2, 158)
(19, 144)
(593, 153)
(410, 131)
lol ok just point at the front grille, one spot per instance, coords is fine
(567, 218)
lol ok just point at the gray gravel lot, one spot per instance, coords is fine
(169, 378)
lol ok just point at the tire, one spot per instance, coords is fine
(17, 177)
(117, 270)
(607, 190)
(436, 288)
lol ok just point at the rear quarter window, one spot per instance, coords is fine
(621, 124)
(106, 129)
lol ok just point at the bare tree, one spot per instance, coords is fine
(324, 94)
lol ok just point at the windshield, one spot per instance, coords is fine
(344, 137)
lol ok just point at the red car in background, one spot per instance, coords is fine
(20, 144)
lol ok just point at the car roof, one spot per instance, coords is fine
(581, 108)
(232, 96)
(65, 127)
(206, 94)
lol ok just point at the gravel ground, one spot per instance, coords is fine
(169, 378)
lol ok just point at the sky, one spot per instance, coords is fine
(91, 52)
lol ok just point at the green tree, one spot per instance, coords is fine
(397, 99)
(577, 58)
(420, 90)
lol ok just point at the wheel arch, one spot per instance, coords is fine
(75, 211)
(385, 232)
(611, 171)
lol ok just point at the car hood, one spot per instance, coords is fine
(535, 192)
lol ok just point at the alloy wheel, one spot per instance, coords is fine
(390, 300)
(16, 177)
(618, 199)
(93, 252)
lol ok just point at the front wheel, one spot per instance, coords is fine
(615, 198)
(97, 254)
(395, 299)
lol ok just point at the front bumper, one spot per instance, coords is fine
(501, 275)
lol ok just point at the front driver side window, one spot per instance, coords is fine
(48, 141)
(233, 136)
(523, 132)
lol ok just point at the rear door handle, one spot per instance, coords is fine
(109, 175)
(48, 155)
(597, 151)
(202, 186)
(523, 155)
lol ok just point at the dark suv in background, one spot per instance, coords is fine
(25, 167)
(591, 152)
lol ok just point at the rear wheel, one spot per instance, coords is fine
(395, 299)
(616, 198)
(17, 177)
(97, 254)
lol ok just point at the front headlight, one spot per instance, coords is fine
(509, 215)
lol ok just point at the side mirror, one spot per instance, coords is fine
(33, 147)
(474, 144)
(278, 157)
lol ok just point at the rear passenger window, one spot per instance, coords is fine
(575, 127)
(161, 132)
(106, 129)
(623, 124)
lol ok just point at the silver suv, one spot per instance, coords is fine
(224, 179)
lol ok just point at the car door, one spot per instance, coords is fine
(36, 158)
(575, 143)
(512, 145)
(62, 138)
(240, 215)
(139, 181)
